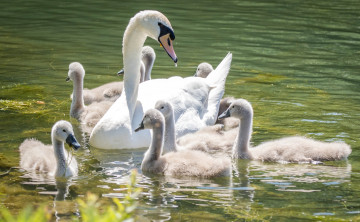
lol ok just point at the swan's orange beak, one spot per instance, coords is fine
(166, 43)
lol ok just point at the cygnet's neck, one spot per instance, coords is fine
(242, 142)
(169, 140)
(60, 157)
(157, 142)
(148, 63)
(134, 38)
(77, 104)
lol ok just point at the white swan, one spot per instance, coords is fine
(288, 149)
(210, 139)
(180, 163)
(190, 96)
(203, 70)
(112, 91)
(51, 159)
(87, 115)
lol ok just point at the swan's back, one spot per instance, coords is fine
(92, 114)
(35, 156)
(210, 139)
(109, 91)
(195, 164)
(300, 149)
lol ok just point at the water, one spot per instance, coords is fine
(297, 62)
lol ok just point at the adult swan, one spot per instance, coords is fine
(195, 100)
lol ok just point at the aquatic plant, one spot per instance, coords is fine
(91, 208)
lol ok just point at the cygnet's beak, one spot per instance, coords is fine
(141, 127)
(121, 72)
(72, 142)
(67, 79)
(166, 43)
(224, 114)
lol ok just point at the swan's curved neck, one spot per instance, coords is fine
(60, 157)
(77, 104)
(170, 140)
(242, 142)
(134, 38)
(156, 145)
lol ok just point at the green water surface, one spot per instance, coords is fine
(297, 62)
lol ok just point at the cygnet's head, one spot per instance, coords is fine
(152, 119)
(165, 108)
(158, 27)
(148, 53)
(240, 109)
(203, 70)
(76, 71)
(63, 131)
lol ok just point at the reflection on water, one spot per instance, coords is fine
(296, 62)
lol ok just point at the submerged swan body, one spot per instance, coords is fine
(180, 163)
(288, 149)
(194, 104)
(87, 115)
(112, 91)
(53, 159)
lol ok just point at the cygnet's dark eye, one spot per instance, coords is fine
(233, 107)
(64, 131)
(162, 107)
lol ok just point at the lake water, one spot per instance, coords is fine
(297, 62)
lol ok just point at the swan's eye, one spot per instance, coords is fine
(162, 107)
(233, 107)
(161, 25)
(64, 131)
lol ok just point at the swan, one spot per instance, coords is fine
(111, 91)
(287, 149)
(194, 104)
(51, 159)
(87, 115)
(203, 70)
(148, 57)
(180, 163)
(210, 139)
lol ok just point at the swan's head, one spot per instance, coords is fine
(203, 70)
(240, 109)
(165, 108)
(152, 119)
(158, 27)
(76, 71)
(63, 131)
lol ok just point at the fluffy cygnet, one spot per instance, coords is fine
(288, 149)
(181, 163)
(51, 159)
(87, 115)
(211, 139)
